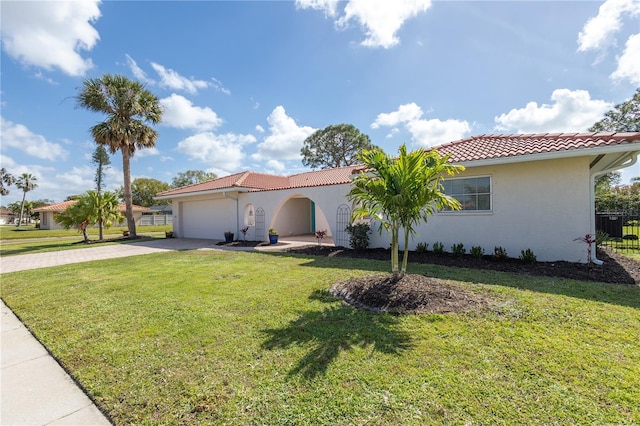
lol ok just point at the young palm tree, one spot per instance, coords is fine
(90, 209)
(128, 107)
(401, 192)
(26, 182)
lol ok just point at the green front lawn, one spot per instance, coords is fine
(12, 232)
(252, 338)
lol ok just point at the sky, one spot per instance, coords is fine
(243, 83)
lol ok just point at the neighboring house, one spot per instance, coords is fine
(49, 213)
(160, 210)
(518, 192)
(7, 217)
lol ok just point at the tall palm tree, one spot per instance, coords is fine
(401, 192)
(26, 182)
(128, 107)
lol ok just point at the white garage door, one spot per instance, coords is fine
(207, 219)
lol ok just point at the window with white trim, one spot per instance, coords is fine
(473, 194)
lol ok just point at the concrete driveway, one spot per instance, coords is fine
(54, 258)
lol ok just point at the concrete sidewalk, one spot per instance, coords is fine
(34, 388)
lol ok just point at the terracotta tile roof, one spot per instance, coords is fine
(265, 182)
(58, 207)
(5, 212)
(325, 177)
(485, 147)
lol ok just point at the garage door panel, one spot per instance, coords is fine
(207, 219)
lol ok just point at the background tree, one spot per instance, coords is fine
(143, 190)
(26, 182)
(6, 180)
(334, 146)
(401, 192)
(128, 107)
(101, 159)
(91, 208)
(624, 117)
(191, 177)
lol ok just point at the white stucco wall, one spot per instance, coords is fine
(281, 212)
(542, 205)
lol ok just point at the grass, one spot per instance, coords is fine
(28, 240)
(252, 338)
(12, 232)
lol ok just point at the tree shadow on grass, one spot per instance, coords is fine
(336, 329)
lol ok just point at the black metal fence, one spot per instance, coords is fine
(622, 230)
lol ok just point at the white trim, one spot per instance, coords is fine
(631, 147)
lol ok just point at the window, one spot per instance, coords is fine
(474, 194)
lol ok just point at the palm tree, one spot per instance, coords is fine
(128, 106)
(401, 192)
(6, 179)
(26, 182)
(91, 208)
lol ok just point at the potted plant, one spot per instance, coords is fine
(273, 236)
(228, 237)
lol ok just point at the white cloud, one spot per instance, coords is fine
(571, 111)
(423, 132)
(381, 19)
(146, 152)
(220, 152)
(276, 165)
(172, 80)
(405, 113)
(259, 128)
(285, 139)
(328, 6)
(217, 84)
(137, 71)
(20, 137)
(629, 62)
(50, 34)
(181, 113)
(598, 32)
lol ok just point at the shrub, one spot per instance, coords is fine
(499, 253)
(359, 236)
(528, 256)
(438, 247)
(477, 252)
(601, 237)
(458, 249)
(422, 247)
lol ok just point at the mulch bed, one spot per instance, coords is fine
(617, 269)
(419, 294)
(408, 294)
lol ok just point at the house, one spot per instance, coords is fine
(48, 214)
(7, 217)
(518, 192)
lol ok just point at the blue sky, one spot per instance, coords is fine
(243, 83)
